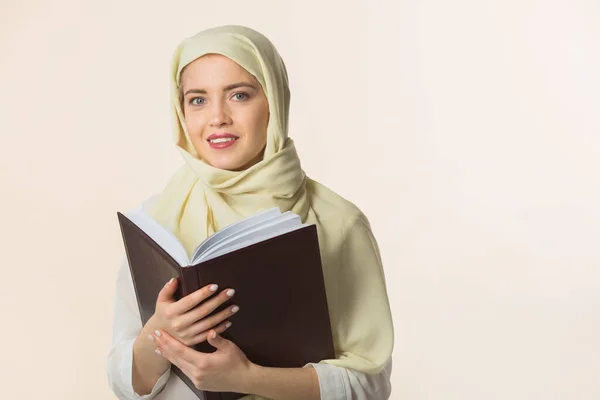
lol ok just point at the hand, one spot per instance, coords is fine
(186, 319)
(227, 369)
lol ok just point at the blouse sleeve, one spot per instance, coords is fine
(126, 327)
(338, 383)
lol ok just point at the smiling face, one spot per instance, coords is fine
(226, 112)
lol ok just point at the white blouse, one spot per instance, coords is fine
(336, 383)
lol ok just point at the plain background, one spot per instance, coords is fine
(467, 131)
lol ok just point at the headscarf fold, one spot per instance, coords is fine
(200, 200)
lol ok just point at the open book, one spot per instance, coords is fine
(273, 262)
(248, 231)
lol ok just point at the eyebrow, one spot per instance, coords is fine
(225, 89)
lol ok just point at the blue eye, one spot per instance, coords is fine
(244, 96)
(195, 103)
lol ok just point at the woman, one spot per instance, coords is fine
(230, 102)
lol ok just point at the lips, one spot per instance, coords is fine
(222, 140)
(224, 135)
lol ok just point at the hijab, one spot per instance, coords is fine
(200, 200)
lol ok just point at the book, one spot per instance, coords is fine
(273, 262)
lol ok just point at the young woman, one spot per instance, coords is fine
(230, 103)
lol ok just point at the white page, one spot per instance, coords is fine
(255, 235)
(268, 227)
(241, 232)
(162, 236)
(235, 227)
(250, 241)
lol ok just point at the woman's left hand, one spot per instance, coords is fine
(227, 369)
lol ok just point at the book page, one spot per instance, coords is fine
(236, 227)
(250, 240)
(264, 231)
(242, 231)
(162, 236)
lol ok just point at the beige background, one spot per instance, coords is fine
(467, 131)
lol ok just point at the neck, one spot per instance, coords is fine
(252, 162)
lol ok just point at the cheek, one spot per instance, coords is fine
(260, 121)
(265, 118)
(194, 124)
(259, 129)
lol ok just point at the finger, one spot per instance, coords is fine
(166, 293)
(201, 337)
(208, 307)
(193, 299)
(179, 352)
(217, 341)
(180, 363)
(212, 321)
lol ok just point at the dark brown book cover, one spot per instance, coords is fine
(283, 319)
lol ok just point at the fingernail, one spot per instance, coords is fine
(157, 351)
(214, 334)
(235, 309)
(151, 337)
(213, 288)
(227, 325)
(170, 281)
(157, 333)
(230, 292)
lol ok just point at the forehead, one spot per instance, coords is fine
(214, 70)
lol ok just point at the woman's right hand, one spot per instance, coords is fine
(187, 319)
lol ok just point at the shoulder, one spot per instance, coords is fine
(332, 209)
(147, 204)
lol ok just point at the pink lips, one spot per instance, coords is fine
(222, 145)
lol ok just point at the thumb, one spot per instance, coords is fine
(166, 293)
(217, 341)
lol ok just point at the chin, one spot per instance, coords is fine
(235, 161)
(228, 165)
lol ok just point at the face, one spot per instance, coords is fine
(226, 112)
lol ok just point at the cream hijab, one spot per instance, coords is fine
(200, 199)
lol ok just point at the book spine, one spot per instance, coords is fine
(188, 282)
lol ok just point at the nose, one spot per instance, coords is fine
(220, 115)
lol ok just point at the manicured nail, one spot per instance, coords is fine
(214, 334)
(235, 309)
(230, 292)
(157, 351)
(157, 332)
(151, 337)
(227, 325)
(213, 288)
(170, 281)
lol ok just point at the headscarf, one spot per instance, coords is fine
(201, 199)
